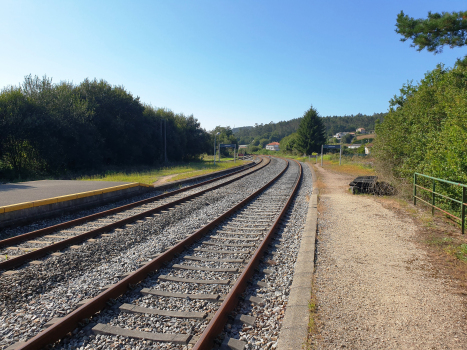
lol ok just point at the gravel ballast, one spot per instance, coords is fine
(53, 289)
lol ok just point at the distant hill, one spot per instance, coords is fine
(235, 130)
(277, 131)
(349, 123)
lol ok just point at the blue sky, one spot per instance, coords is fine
(226, 62)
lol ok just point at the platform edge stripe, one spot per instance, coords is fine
(46, 201)
(68, 197)
(65, 198)
(19, 206)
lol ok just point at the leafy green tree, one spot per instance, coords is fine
(226, 136)
(425, 133)
(435, 31)
(263, 142)
(288, 143)
(347, 138)
(311, 132)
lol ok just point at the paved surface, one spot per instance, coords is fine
(14, 193)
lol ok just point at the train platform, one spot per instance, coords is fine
(23, 202)
(30, 191)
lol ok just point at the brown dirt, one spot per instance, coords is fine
(164, 179)
(379, 282)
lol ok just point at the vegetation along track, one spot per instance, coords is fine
(32, 298)
(16, 251)
(210, 263)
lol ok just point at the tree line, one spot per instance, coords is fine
(425, 128)
(260, 135)
(49, 128)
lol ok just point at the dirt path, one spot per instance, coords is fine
(164, 179)
(375, 288)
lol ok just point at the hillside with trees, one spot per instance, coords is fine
(262, 134)
(51, 128)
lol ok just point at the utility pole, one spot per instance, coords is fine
(165, 142)
(215, 135)
(162, 140)
(321, 155)
(340, 154)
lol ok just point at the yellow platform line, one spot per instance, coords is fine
(69, 197)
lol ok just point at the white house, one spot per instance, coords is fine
(361, 130)
(340, 134)
(273, 146)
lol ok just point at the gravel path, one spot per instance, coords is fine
(374, 287)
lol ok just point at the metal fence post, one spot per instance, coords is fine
(433, 198)
(415, 189)
(464, 199)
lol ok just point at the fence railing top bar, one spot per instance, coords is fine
(442, 180)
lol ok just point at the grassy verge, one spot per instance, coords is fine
(355, 166)
(439, 236)
(150, 176)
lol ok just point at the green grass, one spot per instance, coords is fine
(152, 175)
(461, 253)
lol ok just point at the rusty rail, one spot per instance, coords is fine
(70, 322)
(21, 259)
(216, 325)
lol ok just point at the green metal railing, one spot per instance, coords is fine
(435, 195)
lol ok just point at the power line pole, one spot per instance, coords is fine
(162, 140)
(165, 142)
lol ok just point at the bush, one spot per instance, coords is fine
(425, 129)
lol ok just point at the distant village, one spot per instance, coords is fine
(351, 140)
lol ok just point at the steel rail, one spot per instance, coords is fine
(64, 225)
(220, 318)
(40, 252)
(71, 321)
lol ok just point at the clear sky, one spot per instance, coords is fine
(236, 62)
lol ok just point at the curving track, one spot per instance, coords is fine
(33, 245)
(207, 271)
(229, 194)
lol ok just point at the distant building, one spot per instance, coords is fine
(368, 148)
(242, 146)
(353, 146)
(361, 130)
(340, 134)
(273, 146)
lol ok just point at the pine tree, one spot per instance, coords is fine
(311, 132)
(435, 31)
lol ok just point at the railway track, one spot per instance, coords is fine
(183, 297)
(18, 250)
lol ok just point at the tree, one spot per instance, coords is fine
(311, 132)
(287, 144)
(347, 138)
(435, 31)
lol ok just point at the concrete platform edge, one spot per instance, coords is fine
(23, 213)
(294, 329)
